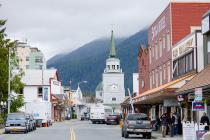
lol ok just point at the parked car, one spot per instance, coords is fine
(137, 123)
(17, 122)
(113, 119)
(85, 116)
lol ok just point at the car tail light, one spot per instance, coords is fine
(151, 125)
(127, 123)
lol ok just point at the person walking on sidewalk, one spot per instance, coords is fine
(204, 119)
(164, 124)
(174, 123)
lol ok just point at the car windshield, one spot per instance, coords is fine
(137, 117)
(16, 117)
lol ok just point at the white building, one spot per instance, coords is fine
(136, 83)
(112, 89)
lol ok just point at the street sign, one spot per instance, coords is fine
(198, 94)
(198, 106)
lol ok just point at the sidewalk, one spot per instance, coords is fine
(1, 131)
(159, 136)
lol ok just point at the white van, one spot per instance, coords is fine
(99, 112)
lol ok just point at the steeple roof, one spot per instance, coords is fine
(112, 53)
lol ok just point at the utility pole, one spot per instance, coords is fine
(9, 75)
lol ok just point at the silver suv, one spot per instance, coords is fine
(17, 122)
(137, 124)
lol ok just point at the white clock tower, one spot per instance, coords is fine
(113, 80)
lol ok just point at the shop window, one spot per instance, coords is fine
(39, 92)
(113, 67)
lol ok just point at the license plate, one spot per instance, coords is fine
(14, 129)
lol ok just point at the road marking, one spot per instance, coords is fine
(72, 134)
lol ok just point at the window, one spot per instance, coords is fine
(27, 66)
(208, 50)
(108, 66)
(150, 80)
(168, 42)
(183, 65)
(156, 51)
(27, 58)
(114, 99)
(161, 80)
(39, 92)
(153, 77)
(113, 66)
(169, 72)
(38, 60)
(118, 67)
(164, 42)
(164, 72)
(40, 67)
(150, 56)
(160, 47)
(157, 79)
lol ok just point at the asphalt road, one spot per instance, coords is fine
(75, 130)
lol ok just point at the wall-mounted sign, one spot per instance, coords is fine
(198, 94)
(198, 106)
(205, 25)
(158, 27)
(184, 46)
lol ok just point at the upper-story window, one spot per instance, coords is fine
(38, 60)
(153, 77)
(164, 41)
(150, 58)
(168, 41)
(27, 58)
(161, 80)
(39, 94)
(169, 71)
(160, 47)
(156, 78)
(156, 50)
(208, 50)
(118, 67)
(113, 67)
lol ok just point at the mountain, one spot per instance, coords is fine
(88, 62)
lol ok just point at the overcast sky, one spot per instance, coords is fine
(58, 26)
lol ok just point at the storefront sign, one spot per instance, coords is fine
(198, 106)
(198, 94)
(170, 102)
(205, 25)
(183, 47)
(189, 131)
(157, 28)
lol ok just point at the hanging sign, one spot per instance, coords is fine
(198, 106)
(198, 94)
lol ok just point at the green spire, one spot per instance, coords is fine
(112, 50)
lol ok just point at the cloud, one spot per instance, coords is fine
(57, 26)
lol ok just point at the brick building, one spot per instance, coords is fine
(174, 23)
(143, 62)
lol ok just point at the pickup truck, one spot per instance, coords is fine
(137, 123)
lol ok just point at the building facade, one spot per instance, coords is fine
(29, 57)
(178, 20)
(112, 86)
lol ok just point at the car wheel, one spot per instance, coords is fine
(26, 131)
(126, 135)
(149, 136)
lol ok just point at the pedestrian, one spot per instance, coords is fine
(204, 119)
(175, 123)
(164, 124)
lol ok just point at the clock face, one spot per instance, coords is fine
(113, 86)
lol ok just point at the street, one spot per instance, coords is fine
(77, 130)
